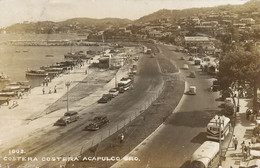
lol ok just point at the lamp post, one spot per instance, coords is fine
(220, 122)
(67, 84)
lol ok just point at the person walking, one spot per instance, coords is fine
(50, 90)
(122, 138)
(235, 143)
(43, 90)
(55, 89)
(249, 149)
(245, 152)
(7, 101)
(233, 140)
(243, 146)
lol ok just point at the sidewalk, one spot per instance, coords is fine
(243, 132)
(32, 104)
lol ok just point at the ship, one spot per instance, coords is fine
(22, 86)
(75, 55)
(36, 73)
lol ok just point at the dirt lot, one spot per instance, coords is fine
(89, 85)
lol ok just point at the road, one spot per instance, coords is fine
(53, 141)
(184, 131)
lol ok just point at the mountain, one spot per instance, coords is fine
(75, 25)
(83, 25)
(248, 7)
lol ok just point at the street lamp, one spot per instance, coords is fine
(220, 122)
(67, 84)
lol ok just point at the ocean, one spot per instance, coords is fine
(15, 60)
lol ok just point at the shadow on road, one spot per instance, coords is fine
(191, 118)
(200, 138)
(186, 165)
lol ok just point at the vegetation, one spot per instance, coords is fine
(239, 69)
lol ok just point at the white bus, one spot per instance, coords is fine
(213, 127)
(124, 85)
(205, 154)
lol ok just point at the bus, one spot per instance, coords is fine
(205, 154)
(213, 127)
(124, 85)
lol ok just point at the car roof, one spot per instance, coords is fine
(71, 112)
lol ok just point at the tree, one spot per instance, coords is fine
(239, 68)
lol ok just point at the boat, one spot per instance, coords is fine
(4, 77)
(36, 73)
(48, 55)
(52, 70)
(22, 86)
(76, 55)
(25, 50)
(7, 94)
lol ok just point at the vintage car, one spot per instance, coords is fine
(68, 118)
(98, 122)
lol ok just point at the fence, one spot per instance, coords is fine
(96, 139)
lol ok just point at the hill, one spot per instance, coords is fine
(248, 7)
(75, 25)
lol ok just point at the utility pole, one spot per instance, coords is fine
(115, 81)
(67, 84)
(221, 122)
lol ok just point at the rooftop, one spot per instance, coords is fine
(196, 38)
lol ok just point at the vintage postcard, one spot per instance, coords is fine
(129, 83)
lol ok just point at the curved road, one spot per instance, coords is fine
(172, 144)
(71, 140)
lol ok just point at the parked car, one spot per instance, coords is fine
(192, 90)
(185, 67)
(68, 118)
(192, 74)
(98, 122)
(114, 92)
(105, 98)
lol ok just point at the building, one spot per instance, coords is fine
(197, 41)
(247, 20)
(256, 27)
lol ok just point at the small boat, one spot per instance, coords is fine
(4, 77)
(25, 50)
(17, 51)
(49, 55)
(76, 55)
(23, 85)
(36, 73)
(7, 94)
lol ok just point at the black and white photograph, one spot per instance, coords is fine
(129, 84)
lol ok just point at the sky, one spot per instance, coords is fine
(17, 11)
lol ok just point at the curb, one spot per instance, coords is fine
(116, 165)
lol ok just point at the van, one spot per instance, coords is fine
(192, 90)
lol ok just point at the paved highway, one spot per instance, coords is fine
(172, 145)
(69, 141)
